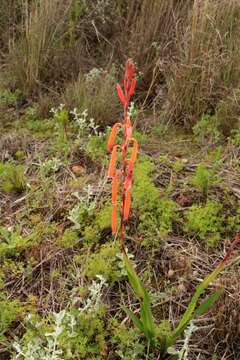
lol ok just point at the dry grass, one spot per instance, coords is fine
(187, 51)
(42, 27)
(150, 30)
(95, 92)
(10, 13)
(207, 60)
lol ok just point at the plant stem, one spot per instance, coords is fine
(148, 349)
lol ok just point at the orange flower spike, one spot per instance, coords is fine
(113, 135)
(114, 189)
(113, 161)
(127, 205)
(114, 219)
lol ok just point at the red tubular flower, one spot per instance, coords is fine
(114, 219)
(113, 135)
(121, 96)
(127, 205)
(132, 88)
(114, 189)
(113, 161)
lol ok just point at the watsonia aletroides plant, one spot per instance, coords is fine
(121, 172)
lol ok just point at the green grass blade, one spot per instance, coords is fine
(207, 304)
(147, 321)
(147, 318)
(188, 315)
(134, 279)
(137, 322)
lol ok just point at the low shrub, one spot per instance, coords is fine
(12, 178)
(157, 213)
(205, 222)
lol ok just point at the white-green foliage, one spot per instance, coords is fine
(84, 208)
(95, 293)
(132, 110)
(50, 166)
(51, 345)
(36, 348)
(60, 115)
(84, 124)
(184, 352)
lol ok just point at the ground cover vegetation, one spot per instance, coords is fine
(166, 284)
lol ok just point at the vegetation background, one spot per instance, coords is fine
(62, 277)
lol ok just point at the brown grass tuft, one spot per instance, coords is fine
(206, 65)
(94, 91)
(31, 56)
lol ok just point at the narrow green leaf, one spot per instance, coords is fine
(137, 322)
(148, 312)
(147, 321)
(134, 279)
(188, 315)
(207, 304)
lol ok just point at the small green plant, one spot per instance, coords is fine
(42, 129)
(160, 129)
(236, 138)
(206, 130)
(96, 147)
(69, 239)
(105, 262)
(12, 178)
(13, 243)
(206, 177)
(127, 341)
(202, 179)
(50, 166)
(9, 98)
(80, 213)
(84, 209)
(60, 115)
(178, 166)
(10, 310)
(206, 222)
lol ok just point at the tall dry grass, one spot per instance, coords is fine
(10, 14)
(151, 29)
(41, 31)
(207, 62)
(94, 91)
(187, 50)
